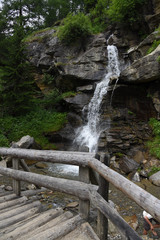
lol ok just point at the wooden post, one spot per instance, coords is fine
(84, 205)
(16, 183)
(102, 221)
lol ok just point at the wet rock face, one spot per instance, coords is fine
(145, 69)
(129, 113)
(80, 61)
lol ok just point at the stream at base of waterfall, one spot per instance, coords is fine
(88, 134)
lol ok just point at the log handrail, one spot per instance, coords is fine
(82, 190)
(144, 199)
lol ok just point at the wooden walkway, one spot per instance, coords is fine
(25, 218)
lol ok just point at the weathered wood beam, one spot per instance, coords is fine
(102, 221)
(65, 157)
(7, 197)
(34, 226)
(144, 199)
(60, 230)
(31, 228)
(19, 210)
(75, 188)
(126, 231)
(14, 219)
(16, 184)
(84, 205)
(13, 202)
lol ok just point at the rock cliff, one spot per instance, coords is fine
(78, 67)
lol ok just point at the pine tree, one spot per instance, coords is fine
(28, 13)
(16, 82)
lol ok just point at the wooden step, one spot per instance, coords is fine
(24, 215)
(58, 230)
(25, 219)
(14, 202)
(56, 221)
(7, 197)
(83, 232)
(32, 225)
(19, 210)
(36, 198)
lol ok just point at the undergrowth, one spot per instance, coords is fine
(36, 124)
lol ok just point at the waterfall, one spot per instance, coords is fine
(88, 134)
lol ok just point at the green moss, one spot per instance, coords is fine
(154, 46)
(119, 154)
(158, 59)
(68, 94)
(153, 170)
(34, 36)
(154, 144)
(58, 64)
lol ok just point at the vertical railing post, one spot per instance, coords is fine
(16, 183)
(102, 221)
(84, 205)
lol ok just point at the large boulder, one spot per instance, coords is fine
(155, 179)
(145, 69)
(85, 60)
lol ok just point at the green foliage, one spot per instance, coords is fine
(125, 10)
(4, 141)
(50, 100)
(17, 85)
(27, 14)
(74, 27)
(153, 170)
(158, 59)
(154, 145)
(89, 5)
(99, 15)
(35, 124)
(47, 79)
(130, 112)
(154, 46)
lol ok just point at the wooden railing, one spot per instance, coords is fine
(85, 191)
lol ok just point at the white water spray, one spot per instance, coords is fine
(88, 135)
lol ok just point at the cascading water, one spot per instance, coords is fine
(88, 135)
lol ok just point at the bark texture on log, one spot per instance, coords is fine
(126, 231)
(73, 158)
(38, 222)
(75, 188)
(144, 199)
(59, 231)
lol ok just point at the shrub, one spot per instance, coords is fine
(74, 27)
